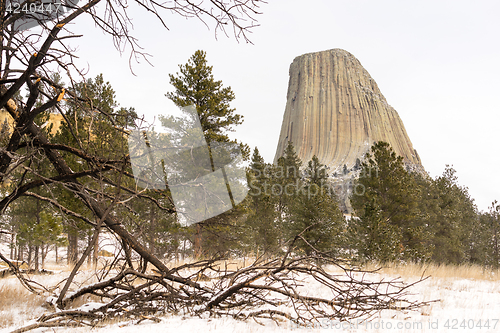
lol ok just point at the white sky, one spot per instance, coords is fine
(436, 62)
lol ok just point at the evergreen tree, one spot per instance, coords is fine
(264, 232)
(486, 238)
(35, 229)
(357, 165)
(95, 133)
(286, 183)
(287, 175)
(451, 216)
(196, 86)
(388, 227)
(315, 213)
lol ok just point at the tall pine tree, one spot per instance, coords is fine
(385, 200)
(195, 86)
(315, 213)
(264, 231)
(450, 215)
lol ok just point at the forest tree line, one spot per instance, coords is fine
(398, 216)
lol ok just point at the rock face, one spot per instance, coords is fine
(54, 118)
(336, 111)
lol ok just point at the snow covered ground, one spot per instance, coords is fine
(466, 305)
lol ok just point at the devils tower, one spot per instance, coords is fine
(336, 111)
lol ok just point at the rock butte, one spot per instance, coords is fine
(336, 111)
(54, 118)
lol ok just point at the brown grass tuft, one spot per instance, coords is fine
(464, 271)
(15, 302)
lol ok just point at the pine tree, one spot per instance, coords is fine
(95, 133)
(315, 213)
(385, 201)
(288, 174)
(264, 232)
(357, 165)
(487, 238)
(451, 217)
(196, 86)
(286, 183)
(28, 215)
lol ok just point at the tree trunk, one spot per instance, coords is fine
(12, 246)
(176, 243)
(152, 223)
(63, 169)
(30, 252)
(184, 249)
(19, 252)
(128, 253)
(72, 246)
(144, 265)
(44, 251)
(89, 243)
(197, 242)
(74, 271)
(37, 223)
(96, 250)
(36, 257)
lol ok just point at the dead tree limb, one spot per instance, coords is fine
(273, 289)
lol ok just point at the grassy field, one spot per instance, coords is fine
(469, 300)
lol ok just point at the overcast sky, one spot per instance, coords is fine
(436, 62)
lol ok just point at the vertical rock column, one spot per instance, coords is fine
(336, 111)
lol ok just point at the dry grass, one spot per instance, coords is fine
(16, 301)
(18, 305)
(230, 264)
(464, 271)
